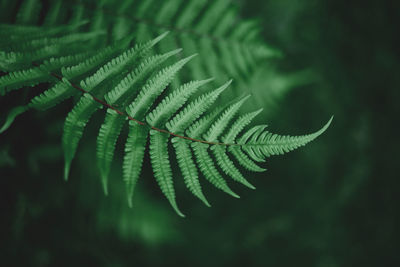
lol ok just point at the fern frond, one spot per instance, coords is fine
(209, 170)
(136, 78)
(188, 168)
(130, 83)
(37, 74)
(16, 111)
(211, 16)
(153, 88)
(79, 116)
(17, 60)
(256, 130)
(173, 102)
(189, 13)
(73, 128)
(29, 12)
(162, 168)
(134, 153)
(108, 135)
(118, 64)
(238, 126)
(218, 126)
(12, 35)
(261, 144)
(54, 13)
(18, 79)
(53, 96)
(203, 124)
(55, 42)
(194, 109)
(83, 68)
(228, 167)
(106, 140)
(244, 160)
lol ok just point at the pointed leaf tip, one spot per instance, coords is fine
(230, 192)
(104, 183)
(324, 128)
(174, 52)
(245, 98)
(66, 170)
(235, 195)
(130, 203)
(179, 212)
(11, 117)
(189, 57)
(162, 35)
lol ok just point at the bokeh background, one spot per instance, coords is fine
(331, 203)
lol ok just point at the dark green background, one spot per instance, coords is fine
(332, 203)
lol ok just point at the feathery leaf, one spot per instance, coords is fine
(162, 168)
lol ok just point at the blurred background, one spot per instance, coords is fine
(331, 203)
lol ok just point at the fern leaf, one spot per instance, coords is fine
(11, 117)
(228, 167)
(167, 11)
(213, 67)
(256, 130)
(129, 79)
(203, 124)
(54, 13)
(118, 64)
(218, 127)
(106, 141)
(73, 128)
(15, 60)
(39, 74)
(227, 57)
(56, 42)
(161, 167)
(171, 103)
(29, 12)
(228, 20)
(244, 160)
(52, 96)
(238, 126)
(134, 153)
(207, 167)
(189, 13)
(264, 144)
(196, 67)
(83, 69)
(194, 109)
(18, 79)
(18, 34)
(133, 80)
(212, 15)
(79, 116)
(188, 168)
(154, 88)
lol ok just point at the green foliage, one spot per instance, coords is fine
(139, 84)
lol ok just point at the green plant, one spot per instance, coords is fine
(130, 83)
